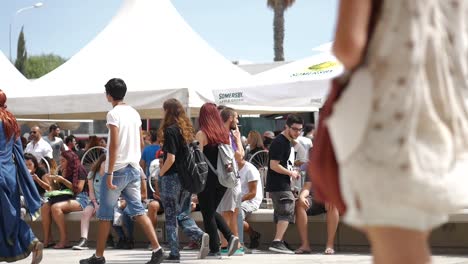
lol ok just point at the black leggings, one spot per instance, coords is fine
(209, 200)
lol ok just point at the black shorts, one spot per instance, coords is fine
(316, 208)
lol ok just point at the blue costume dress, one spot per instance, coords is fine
(16, 237)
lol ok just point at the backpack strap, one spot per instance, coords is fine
(210, 165)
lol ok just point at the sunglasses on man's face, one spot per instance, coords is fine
(33, 132)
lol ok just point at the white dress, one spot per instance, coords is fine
(404, 157)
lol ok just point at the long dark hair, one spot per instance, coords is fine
(175, 114)
(211, 124)
(10, 126)
(29, 156)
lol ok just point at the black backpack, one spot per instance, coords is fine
(192, 168)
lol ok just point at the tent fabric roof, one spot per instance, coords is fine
(299, 86)
(149, 46)
(12, 82)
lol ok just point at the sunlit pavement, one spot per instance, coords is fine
(138, 256)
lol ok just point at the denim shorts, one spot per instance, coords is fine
(82, 199)
(128, 182)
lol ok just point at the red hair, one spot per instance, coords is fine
(211, 124)
(10, 126)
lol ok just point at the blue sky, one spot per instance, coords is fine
(239, 30)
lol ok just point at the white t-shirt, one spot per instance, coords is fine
(306, 144)
(249, 173)
(56, 145)
(39, 150)
(128, 121)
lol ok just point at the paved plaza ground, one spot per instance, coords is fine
(140, 256)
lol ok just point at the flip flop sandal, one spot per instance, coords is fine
(64, 247)
(301, 251)
(329, 251)
(50, 245)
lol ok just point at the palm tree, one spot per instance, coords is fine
(279, 6)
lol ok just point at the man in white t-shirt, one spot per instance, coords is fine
(306, 139)
(122, 169)
(55, 142)
(38, 146)
(252, 195)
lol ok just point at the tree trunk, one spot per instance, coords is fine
(278, 30)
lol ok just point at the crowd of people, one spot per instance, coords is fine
(114, 189)
(400, 124)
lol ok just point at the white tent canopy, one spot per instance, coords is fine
(11, 80)
(295, 87)
(149, 46)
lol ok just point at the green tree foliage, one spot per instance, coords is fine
(37, 66)
(279, 6)
(22, 54)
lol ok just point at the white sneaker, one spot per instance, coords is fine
(204, 246)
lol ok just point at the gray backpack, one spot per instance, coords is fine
(227, 171)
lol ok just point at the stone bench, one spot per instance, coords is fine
(449, 238)
(261, 216)
(266, 216)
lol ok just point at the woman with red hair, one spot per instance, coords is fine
(18, 240)
(74, 197)
(212, 133)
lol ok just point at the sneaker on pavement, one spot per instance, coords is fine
(224, 251)
(211, 255)
(172, 259)
(233, 245)
(254, 239)
(156, 257)
(204, 246)
(93, 260)
(129, 244)
(239, 252)
(280, 247)
(287, 245)
(110, 242)
(121, 244)
(82, 244)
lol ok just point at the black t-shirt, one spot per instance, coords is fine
(280, 149)
(40, 172)
(172, 144)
